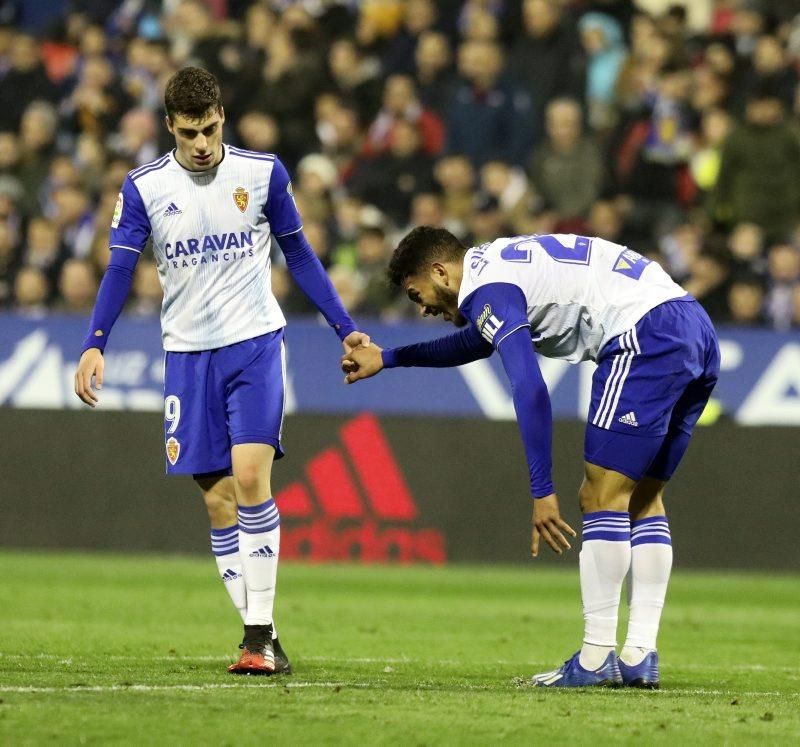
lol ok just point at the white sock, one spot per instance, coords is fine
(604, 561)
(651, 563)
(225, 546)
(259, 547)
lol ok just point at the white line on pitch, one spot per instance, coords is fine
(726, 693)
(344, 685)
(177, 658)
(190, 688)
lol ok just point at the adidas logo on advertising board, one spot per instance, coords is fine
(354, 504)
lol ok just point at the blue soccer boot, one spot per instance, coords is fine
(644, 674)
(572, 674)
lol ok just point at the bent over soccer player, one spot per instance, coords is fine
(578, 298)
(213, 211)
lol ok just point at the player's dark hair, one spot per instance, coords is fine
(421, 247)
(192, 92)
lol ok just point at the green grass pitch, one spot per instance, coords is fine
(113, 649)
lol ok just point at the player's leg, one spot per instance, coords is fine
(259, 527)
(604, 558)
(219, 495)
(220, 501)
(651, 540)
(604, 561)
(198, 443)
(651, 564)
(640, 378)
(624, 432)
(647, 394)
(259, 543)
(255, 412)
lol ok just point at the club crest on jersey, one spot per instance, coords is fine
(173, 449)
(241, 198)
(631, 264)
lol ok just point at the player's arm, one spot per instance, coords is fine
(499, 310)
(303, 264)
(535, 421)
(532, 407)
(130, 230)
(464, 346)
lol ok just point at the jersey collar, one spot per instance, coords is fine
(192, 172)
(463, 291)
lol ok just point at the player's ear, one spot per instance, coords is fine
(168, 123)
(439, 272)
(222, 114)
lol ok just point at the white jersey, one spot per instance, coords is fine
(580, 292)
(212, 234)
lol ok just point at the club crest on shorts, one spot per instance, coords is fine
(173, 449)
(241, 198)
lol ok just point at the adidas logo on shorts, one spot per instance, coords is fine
(263, 552)
(629, 418)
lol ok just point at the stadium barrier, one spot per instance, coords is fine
(381, 489)
(759, 383)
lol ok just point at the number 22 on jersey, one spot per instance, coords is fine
(578, 255)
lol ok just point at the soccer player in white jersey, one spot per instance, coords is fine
(578, 298)
(213, 212)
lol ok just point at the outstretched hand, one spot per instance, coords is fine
(547, 523)
(91, 365)
(361, 363)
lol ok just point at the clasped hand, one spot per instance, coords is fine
(361, 362)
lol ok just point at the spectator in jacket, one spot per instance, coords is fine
(602, 39)
(400, 103)
(488, 118)
(548, 60)
(567, 168)
(25, 75)
(390, 181)
(433, 74)
(760, 162)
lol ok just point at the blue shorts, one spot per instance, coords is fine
(650, 388)
(214, 399)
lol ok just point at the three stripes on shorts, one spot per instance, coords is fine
(620, 368)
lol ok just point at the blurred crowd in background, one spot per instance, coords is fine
(671, 128)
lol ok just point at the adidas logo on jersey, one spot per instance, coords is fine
(172, 209)
(230, 575)
(629, 418)
(263, 552)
